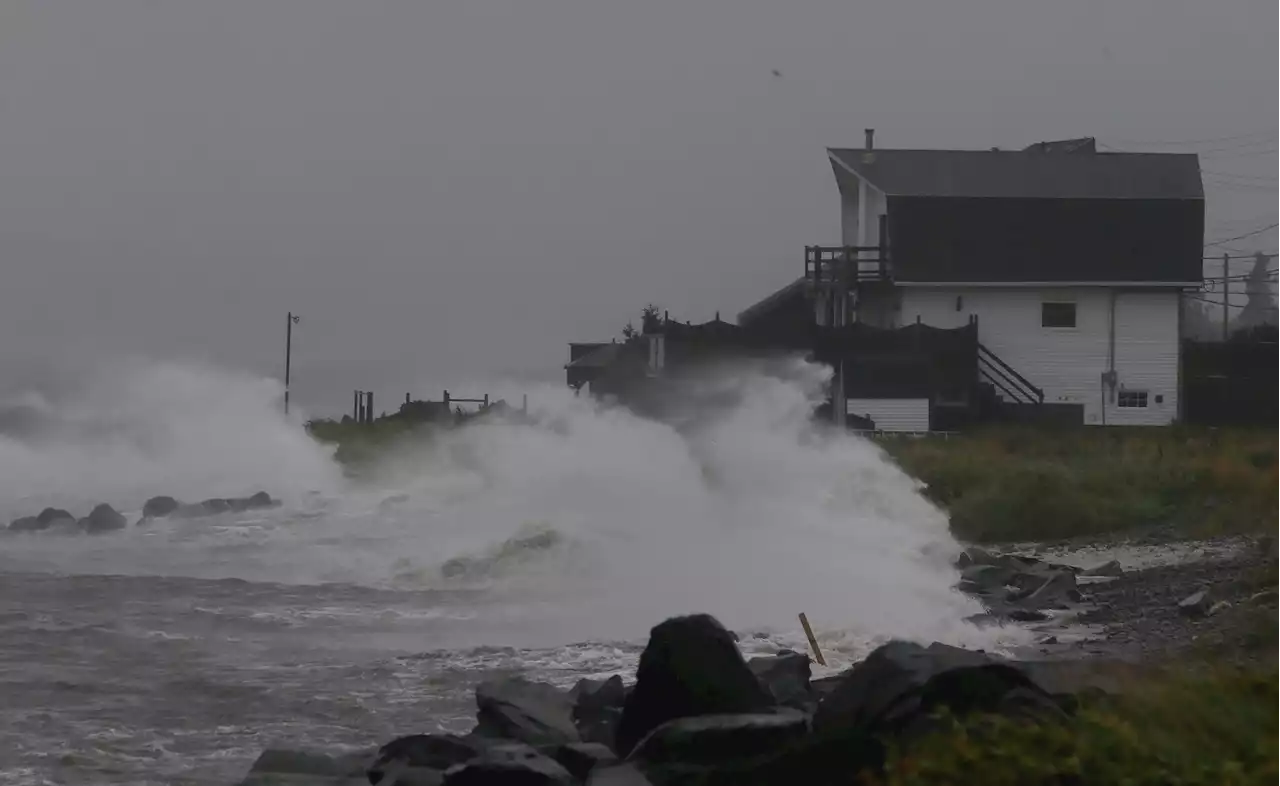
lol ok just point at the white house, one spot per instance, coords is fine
(1071, 262)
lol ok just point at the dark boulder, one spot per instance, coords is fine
(278, 767)
(51, 516)
(718, 739)
(422, 751)
(618, 775)
(102, 518)
(1196, 604)
(597, 708)
(47, 518)
(159, 507)
(580, 758)
(509, 765)
(1109, 569)
(691, 666)
(786, 677)
(214, 506)
(258, 501)
(896, 690)
(27, 524)
(524, 711)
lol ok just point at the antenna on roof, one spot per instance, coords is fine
(871, 138)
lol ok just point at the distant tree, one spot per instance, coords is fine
(1260, 308)
(629, 331)
(650, 318)
(1197, 324)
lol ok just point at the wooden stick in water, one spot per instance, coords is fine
(813, 641)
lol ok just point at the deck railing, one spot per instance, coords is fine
(847, 265)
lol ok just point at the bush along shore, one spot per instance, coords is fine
(698, 713)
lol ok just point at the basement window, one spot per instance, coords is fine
(1132, 399)
(1058, 315)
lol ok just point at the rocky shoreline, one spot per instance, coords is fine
(699, 713)
(103, 518)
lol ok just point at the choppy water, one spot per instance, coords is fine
(173, 652)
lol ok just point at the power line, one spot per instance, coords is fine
(1187, 142)
(1242, 237)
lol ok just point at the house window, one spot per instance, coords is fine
(1132, 399)
(1058, 315)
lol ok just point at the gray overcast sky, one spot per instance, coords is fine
(453, 190)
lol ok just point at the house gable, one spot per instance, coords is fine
(1040, 216)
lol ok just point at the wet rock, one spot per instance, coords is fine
(1027, 615)
(1196, 604)
(691, 666)
(424, 751)
(597, 708)
(509, 768)
(159, 507)
(279, 767)
(102, 518)
(1057, 586)
(1267, 548)
(786, 677)
(1221, 605)
(1265, 596)
(258, 501)
(620, 775)
(1107, 569)
(984, 576)
(900, 685)
(580, 758)
(26, 524)
(716, 739)
(524, 711)
(49, 517)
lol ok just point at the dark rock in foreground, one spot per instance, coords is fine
(102, 518)
(715, 739)
(698, 715)
(428, 751)
(295, 768)
(896, 690)
(597, 709)
(509, 766)
(786, 677)
(529, 712)
(691, 666)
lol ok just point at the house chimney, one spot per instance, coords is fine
(871, 138)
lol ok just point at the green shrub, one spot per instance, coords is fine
(1024, 483)
(1206, 727)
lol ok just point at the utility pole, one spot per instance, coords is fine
(1226, 294)
(288, 356)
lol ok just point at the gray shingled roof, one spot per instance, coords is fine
(1022, 174)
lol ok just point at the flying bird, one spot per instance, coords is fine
(776, 72)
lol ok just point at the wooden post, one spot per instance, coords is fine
(368, 412)
(1226, 296)
(355, 406)
(446, 399)
(813, 641)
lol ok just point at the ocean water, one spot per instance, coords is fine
(173, 652)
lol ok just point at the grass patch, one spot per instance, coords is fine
(1025, 483)
(1184, 726)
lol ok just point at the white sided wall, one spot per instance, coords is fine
(892, 414)
(1068, 363)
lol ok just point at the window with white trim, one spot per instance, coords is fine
(1132, 399)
